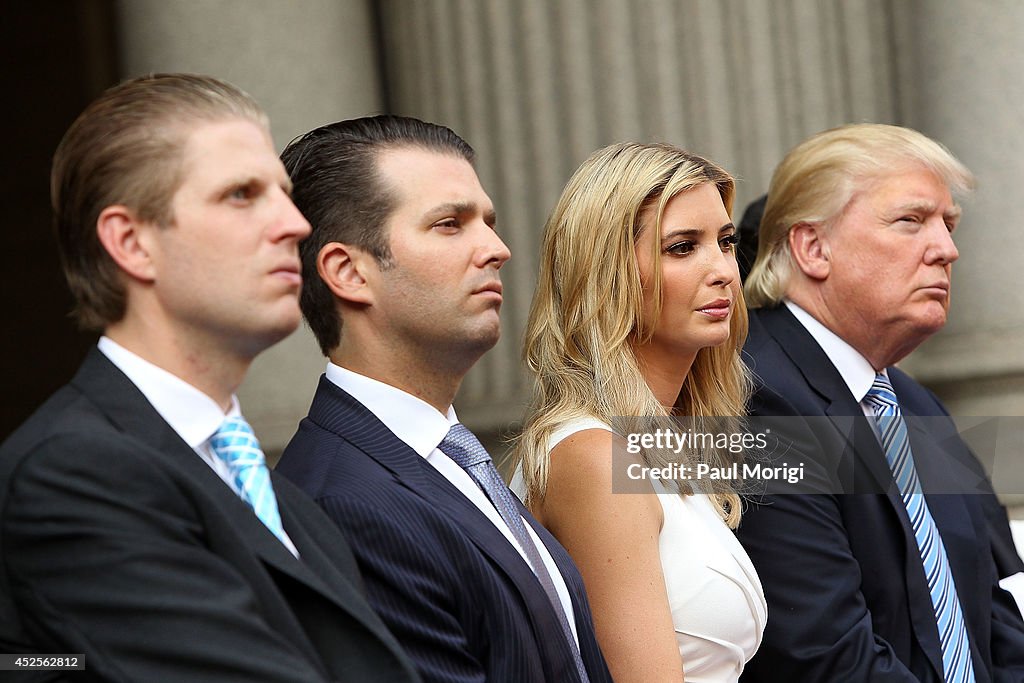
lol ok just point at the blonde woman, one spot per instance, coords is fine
(638, 312)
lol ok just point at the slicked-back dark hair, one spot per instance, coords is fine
(339, 189)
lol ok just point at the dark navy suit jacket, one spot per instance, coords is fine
(847, 595)
(459, 598)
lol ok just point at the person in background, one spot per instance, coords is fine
(746, 250)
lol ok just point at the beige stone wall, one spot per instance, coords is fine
(536, 85)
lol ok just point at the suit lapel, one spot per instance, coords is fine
(593, 659)
(821, 375)
(127, 408)
(337, 411)
(318, 566)
(949, 483)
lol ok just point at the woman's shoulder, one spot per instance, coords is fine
(574, 426)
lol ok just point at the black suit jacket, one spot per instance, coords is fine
(847, 595)
(119, 542)
(455, 593)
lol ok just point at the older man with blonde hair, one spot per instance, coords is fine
(874, 575)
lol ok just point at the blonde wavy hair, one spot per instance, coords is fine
(588, 313)
(816, 180)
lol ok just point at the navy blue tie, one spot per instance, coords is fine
(462, 446)
(956, 646)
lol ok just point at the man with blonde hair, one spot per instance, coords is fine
(140, 530)
(875, 575)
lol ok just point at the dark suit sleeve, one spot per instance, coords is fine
(412, 584)
(106, 556)
(819, 627)
(1004, 552)
(1007, 626)
(1007, 638)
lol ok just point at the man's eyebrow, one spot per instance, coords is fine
(452, 207)
(228, 185)
(922, 206)
(461, 208)
(244, 180)
(952, 213)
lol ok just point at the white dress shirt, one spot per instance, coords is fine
(854, 368)
(422, 428)
(193, 415)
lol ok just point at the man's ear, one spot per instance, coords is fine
(809, 245)
(344, 269)
(128, 241)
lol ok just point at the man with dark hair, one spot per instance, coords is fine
(885, 572)
(139, 525)
(402, 291)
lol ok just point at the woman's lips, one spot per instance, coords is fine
(718, 309)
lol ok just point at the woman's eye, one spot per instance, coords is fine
(680, 248)
(729, 242)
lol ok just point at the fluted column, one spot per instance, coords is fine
(962, 81)
(963, 73)
(307, 62)
(537, 85)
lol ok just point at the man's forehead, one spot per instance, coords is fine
(410, 159)
(910, 186)
(429, 178)
(220, 146)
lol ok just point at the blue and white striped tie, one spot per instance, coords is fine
(236, 445)
(956, 647)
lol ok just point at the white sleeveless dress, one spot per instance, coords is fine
(718, 606)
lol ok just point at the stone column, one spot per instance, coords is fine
(961, 79)
(307, 62)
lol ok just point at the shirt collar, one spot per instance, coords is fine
(854, 368)
(412, 420)
(191, 413)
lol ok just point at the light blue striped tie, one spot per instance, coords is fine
(236, 445)
(956, 647)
